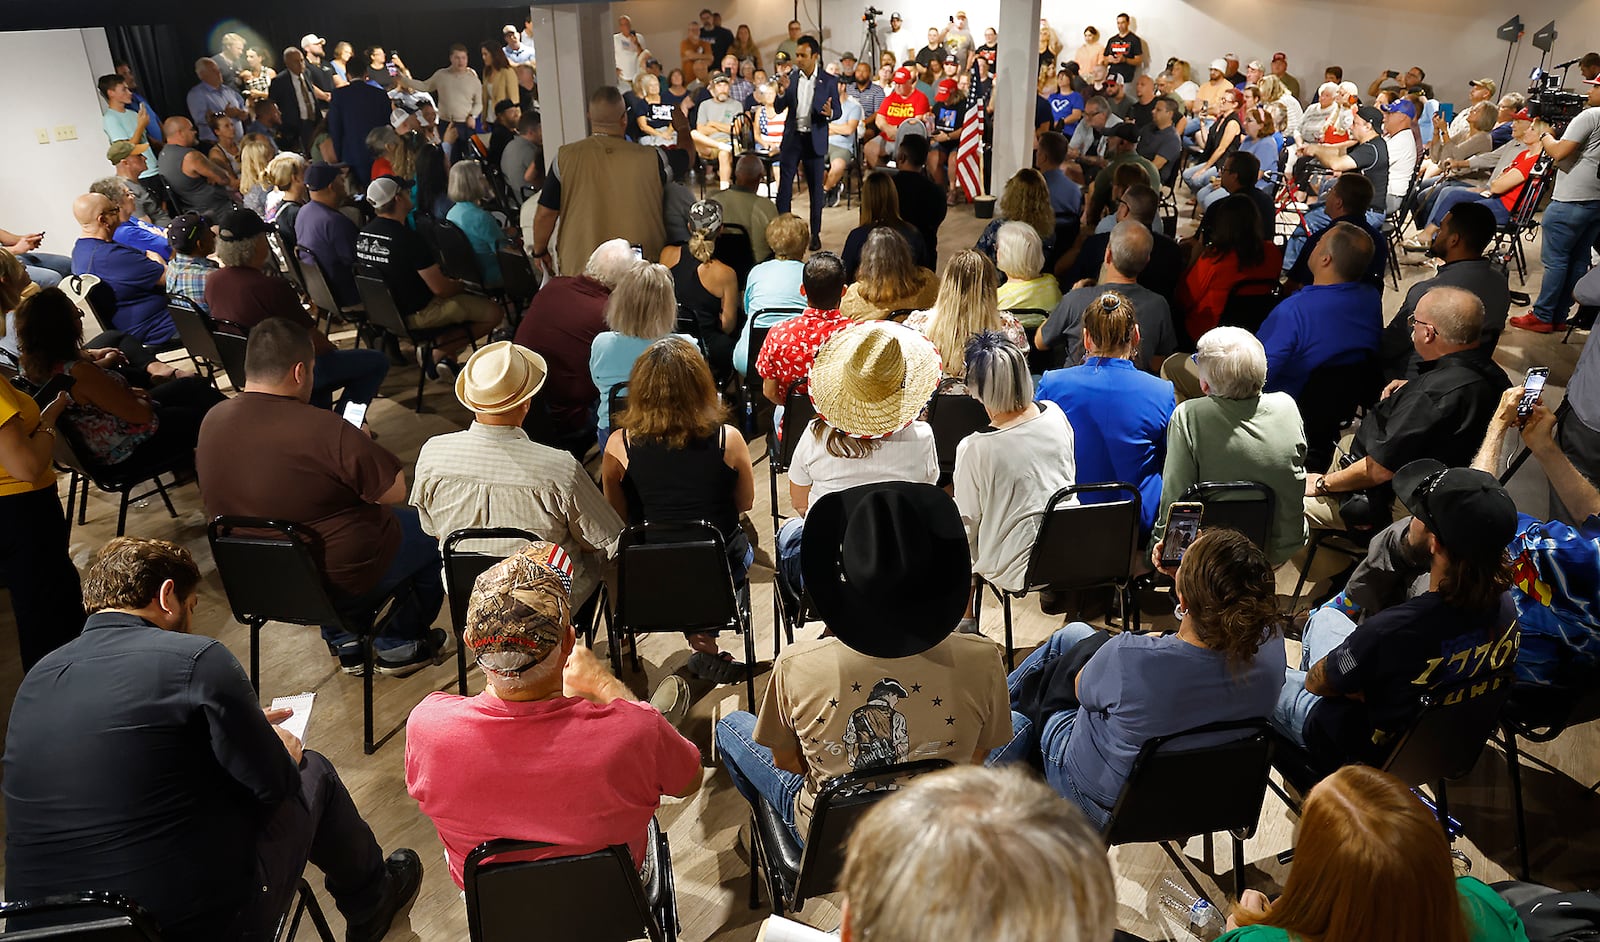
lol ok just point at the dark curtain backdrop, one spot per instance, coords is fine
(163, 55)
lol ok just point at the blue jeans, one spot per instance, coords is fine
(750, 766)
(1569, 230)
(1199, 175)
(1057, 728)
(418, 560)
(359, 373)
(1325, 630)
(45, 269)
(788, 549)
(1460, 194)
(1316, 221)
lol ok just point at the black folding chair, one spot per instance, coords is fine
(1221, 772)
(788, 606)
(194, 330)
(735, 249)
(796, 873)
(461, 570)
(385, 315)
(231, 341)
(1332, 397)
(92, 916)
(287, 262)
(1249, 302)
(616, 404)
(755, 400)
(1523, 221)
(1540, 715)
(953, 416)
(1057, 562)
(72, 454)
(1394, 224)
(521, 284)
(675, 576)
(269, 574)
(457, 258)
(320, 291)
(616, 904)
(1246, 506)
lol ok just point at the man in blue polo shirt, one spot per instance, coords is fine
(138, 282)
(1337, 319)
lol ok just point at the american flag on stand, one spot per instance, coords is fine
(969, 153)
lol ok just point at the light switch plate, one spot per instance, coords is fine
(66, 132)
(42, 135)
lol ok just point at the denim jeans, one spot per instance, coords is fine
(359, 373)
(1057, 728)
(1460, 194)
(44, 269)
(1192, 131)
(1569, 231)
(1317, 220)
(418, 560)
(750, 766)
(788, 550)
(1326, 630)
(1199, 175)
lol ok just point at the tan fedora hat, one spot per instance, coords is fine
(873, 379)
(500, 377)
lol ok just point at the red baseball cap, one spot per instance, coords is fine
(946, 88)
(902, 76)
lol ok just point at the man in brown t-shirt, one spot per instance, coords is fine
(269, 453)
(888, 569)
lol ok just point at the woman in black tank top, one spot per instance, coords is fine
(707, 289)
(673, 459)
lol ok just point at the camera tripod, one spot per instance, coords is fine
(871, 45)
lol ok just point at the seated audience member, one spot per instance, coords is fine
(905, 112)
(522, 162)
(674, 459)
(287, 175)
(1221, 140)
(880, 209)
(1161, 275)
(1361, 828)
(327, 233)
(889, 279)
(491, 475)
(966, 306)
(773, 293)
(707, 287)
(198, 804)
(1052, 878)
(1006, 474)
(1026, 199)
(551, 724)
(1460, 241)
(1334, 321)
(1499, 196)
(1226, 662)
(1231, 249)
(561, 324)
(44, 269)
(1115, 182)
(1263, 144)
(119, 428)
(132, 231)
(467, 191)
(888, 572)
(193, 238)
(1369, 158)
(1066, 196)
(744, 207)
(872, 383)
(844, 139)
(1158, 140)
(1087, 144)
(1120, 153)
(503, 130)
(1019, 254)
(791, 347)
(254, 154)
(132, 165)
(1357, 686)
(268, 453)
(195, 182)
(137, 281)
(1346, 201)
(1241, 173)
(1236, 432)
(242, 293)
(640, 311)
(1126, 255)
(921, 201)
(713, 126)
(1127, 443)
(427, 298)
(1441, 415)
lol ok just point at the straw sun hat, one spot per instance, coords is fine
(872, 379)
(500, 377)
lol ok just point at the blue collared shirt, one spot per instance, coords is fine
(1320, 325)
(204, 101)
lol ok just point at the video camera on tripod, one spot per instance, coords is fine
(1549, 101)
(870, 16)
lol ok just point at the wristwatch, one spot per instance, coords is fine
(1322, 486)
(544, 254)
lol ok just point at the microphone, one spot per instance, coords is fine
(1567, 64)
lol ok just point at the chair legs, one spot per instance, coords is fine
(255, 656)
(1238, 866)
(306, 902)
(461, 664)
(1514, 769)
(1011, 647)
(368, 747)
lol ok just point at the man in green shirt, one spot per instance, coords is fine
(1120, 142)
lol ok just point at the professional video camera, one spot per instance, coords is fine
(1548, 100)
(870, 15)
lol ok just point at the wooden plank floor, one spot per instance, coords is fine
(1563, 818)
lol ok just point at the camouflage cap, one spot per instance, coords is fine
(520, 609)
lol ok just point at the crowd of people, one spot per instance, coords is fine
(668, 332)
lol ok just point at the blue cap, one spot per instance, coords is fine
(1403, 106)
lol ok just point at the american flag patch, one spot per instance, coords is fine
(558, 560)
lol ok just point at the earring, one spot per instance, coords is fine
(1180, 611)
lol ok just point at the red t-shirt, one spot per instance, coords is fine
(897, 108)
(565, 771)
(790, 347)
(1523, 162)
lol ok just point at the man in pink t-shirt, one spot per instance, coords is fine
(556, 749)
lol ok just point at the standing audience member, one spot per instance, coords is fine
(355, 110)
(137, 281)
(459, 90)
(211, 96)
(922, 202)
(1571, 222)
(295, 92)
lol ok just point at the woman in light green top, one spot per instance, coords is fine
(1372, 864)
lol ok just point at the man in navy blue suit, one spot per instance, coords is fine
(357, 108)
(811, 100)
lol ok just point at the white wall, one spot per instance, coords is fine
(52, 77)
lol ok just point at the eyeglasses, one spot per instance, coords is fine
(1411, 321)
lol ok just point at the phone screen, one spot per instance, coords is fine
(1183, 526)
(355, 413)
(638, 251)
(1532, 387)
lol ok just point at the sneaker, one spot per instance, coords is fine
(717, 668)
(432, 651)
(1532, 322)
(672, 698)
(1414, 246)
(833, 195)
(352, 660)
(402, 878)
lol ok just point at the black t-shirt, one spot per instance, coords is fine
(1372, 159)
(1137, 114)
(1396, 656)
(1041, 111)
(947, 117)
(720, 39)
(922, 204)
(1441, 414)
(398, 255)
(1129, 45)
(658, 115)
(1218, 132)
(990, 53)
(930, 54)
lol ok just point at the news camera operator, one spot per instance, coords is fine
(1571, 222)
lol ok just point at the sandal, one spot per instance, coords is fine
(717, 668)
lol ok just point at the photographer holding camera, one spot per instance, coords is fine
(1571, 222)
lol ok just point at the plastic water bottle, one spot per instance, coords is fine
(1203, 918)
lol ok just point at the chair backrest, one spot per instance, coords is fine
(516, 273)
(953, 417)
(1249, 302)
(616, 404)
(287, 262)
(734, 249)
(1200, 781)
(462, 568)
(1450, 729)
(456, 256)
(231, 345)
(1331, 398)
(268, 571)
(1246, 506)
(1111, 525)
(79, 917)
(674, 576)
(380, 306)
(840, 804)
(1527, 202)
(797, 415)
(194, 330)
(316, 280)
(595, 897)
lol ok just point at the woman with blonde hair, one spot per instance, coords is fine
(707, 287)
(1272, 91)
(286, 173)
(674, 458)
(1019, 254)
(254, 155)
(744, 46)
(640, 311)
(1026, 198)
(889, 279)
(1372, 864)
(772, 292)
(966, 306)
(652, 114)
(1049, 45)
(880, 208)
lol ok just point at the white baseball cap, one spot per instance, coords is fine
(310, 39)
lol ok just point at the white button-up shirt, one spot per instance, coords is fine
(805, 90)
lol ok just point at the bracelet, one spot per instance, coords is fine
(49, 430)
(544, 254)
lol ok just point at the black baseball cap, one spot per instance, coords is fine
(1471, 514)
(237, 225)
(1124, 131)
(185, 231)
(1370, 115)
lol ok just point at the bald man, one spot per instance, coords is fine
(212, 94)
(138, 282)
(196, 183)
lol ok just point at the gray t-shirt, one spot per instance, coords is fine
(718, 112)
(1578, 181)
(1156, 337)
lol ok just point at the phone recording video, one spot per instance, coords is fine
(355, 413)
(1532, 389)
(1183, 527)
